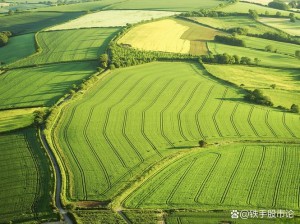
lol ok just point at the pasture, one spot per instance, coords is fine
(25, 178)
(33, 21)
(15, 119)
(112, 18)
(231, 177)
(17, 48)
(129, 121)
(41, 86)
(228, 22)
(170, 35)
(69, 45)
(266, 58)
(283, 24)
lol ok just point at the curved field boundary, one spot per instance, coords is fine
(144, 115)
(171, 195)
(286, 126)
(178, 219)
(200, 109)
(299, 197)
(182, 109)
(216, 112)
(82, 175)
(233, 175)
(279, 178)
(208, 176)
(269, 126)
(232, 120)
(101, 165)
(161, 114)
(258, 170)
(249, 121)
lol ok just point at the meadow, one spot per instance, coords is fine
(283, 24)
(24, 45)
(25, 179)
(129, 121)
(170, 35)
(33, 21)
(111, 18)
(69, 45)
(41, 86)
(228, 22)
(266, 58)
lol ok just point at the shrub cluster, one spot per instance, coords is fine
(282, 37)
(4, 37)
(238, 30)
(257, 96)
(230, 40)
(279, 5)
(225, 59)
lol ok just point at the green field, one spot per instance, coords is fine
(287, 82)
(26, 183)
(33, 21)
(17, 48)
(70, 45)
(243, 7)
(283, 24)
(41, 86)
(267, 58)
(228, 22)
(96, 216)
(129, 121)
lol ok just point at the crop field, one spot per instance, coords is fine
(41, 86)
(234, 175)
(15, 119)
(228, 22)
(266, 58)
(170, 35)
(100, 216)
(136, 120)
(112, 18)
(283, 24)
(33, 22)
(69, 45)
(167, 5)
(243, 7)
(25, 178)
(24, 45)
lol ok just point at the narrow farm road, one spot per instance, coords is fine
(58, 178)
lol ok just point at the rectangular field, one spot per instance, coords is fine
(41, 86)
(283, 24)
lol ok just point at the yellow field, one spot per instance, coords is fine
(170, 35)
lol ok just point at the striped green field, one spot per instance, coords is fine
(231, 177)
(41, 86)
(266, 58)
(70, 45)
(137, 116)
(17, 48)
(26, 181)
(33, 22)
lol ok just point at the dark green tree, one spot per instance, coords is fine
(295, 108)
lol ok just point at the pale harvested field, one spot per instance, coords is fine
(283, 24)
(112, 18)
(170, 35)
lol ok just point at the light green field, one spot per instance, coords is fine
(25, 178)
(41, 86)
(17, 48)
(70, 45)
(283, 24)
(168, 5)
(260, 44)
(33, 22)
(267, 58)
(129, 121)
(243, 7)
(228, 22)
(14, 119)
(286, 93)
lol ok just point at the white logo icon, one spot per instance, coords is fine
(235, 214)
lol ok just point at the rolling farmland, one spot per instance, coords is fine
(140, 121)
(69, 45)
(170, 35)
(25, 178)
(283, 24)
(41, 86)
